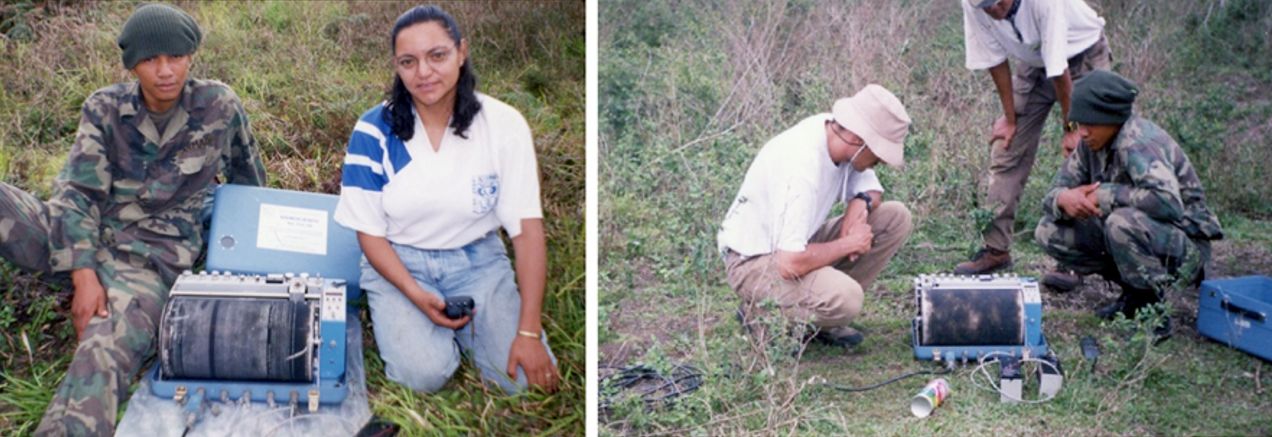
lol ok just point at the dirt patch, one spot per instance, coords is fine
(648, 317)
(1232, 258)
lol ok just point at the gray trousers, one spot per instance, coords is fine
(1034, 95)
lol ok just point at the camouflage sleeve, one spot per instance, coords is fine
(80, 188)
(1153, 189)
(1071, 174)
(243, 165)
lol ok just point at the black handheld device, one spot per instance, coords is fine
(1090, 350)
(458, 307)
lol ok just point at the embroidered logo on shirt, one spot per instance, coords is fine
(485, 193)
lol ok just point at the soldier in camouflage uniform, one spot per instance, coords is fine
(126, 214)
(1127, 205)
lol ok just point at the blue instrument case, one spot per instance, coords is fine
(260, 236)
(1234, 311)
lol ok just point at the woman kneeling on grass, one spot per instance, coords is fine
(429, 178)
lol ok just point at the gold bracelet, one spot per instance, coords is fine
(527, 334)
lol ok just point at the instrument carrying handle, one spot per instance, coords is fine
(1248, 313)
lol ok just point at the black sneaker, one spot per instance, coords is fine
(379, 427)
(1163, 331)
(1137, 300)
(1108, 312)
(843, 336)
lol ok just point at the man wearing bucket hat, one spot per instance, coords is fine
(125, 216)
(1128, 198)
(776, 240)
(1054, 42)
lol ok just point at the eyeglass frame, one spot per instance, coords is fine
(450, 51)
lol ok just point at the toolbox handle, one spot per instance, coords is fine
(1245, 312)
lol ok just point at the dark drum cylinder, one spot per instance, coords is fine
(236, 339)
(968, 317)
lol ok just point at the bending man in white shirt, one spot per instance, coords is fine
(1054, 42)
(776, 240)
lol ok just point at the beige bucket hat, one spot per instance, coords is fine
(879, 118)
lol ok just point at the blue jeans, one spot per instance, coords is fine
(421, 355)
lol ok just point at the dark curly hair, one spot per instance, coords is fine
(398, 111)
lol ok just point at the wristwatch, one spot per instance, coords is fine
(866, 197)
(1070, 126)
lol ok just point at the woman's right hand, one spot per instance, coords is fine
(435, 308)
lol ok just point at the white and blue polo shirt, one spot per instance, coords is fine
(443, 199)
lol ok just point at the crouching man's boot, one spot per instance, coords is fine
(1129, 304)
(986, 261)
(1062, 280)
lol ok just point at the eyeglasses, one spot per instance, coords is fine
(836, 127)
(435, 59)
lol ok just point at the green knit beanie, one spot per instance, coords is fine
(157, 29)
(1102, 97)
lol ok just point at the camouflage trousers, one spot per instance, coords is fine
(1148, 254)
(111, 350)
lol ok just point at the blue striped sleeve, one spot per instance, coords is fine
(363, 163)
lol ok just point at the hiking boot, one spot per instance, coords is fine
(985, 261)
(1062, 280)
(1138, 299)
(1163, 331)
(843, 336)
(1108, 312)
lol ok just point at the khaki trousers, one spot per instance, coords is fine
(1034, 95)
(829, 296)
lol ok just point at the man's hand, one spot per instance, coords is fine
(1070, 143)
(1003, 130)
(529, 354)
(859, 240)
(1093, 196)
(435, 308)
(1079, 202)
(89, 299)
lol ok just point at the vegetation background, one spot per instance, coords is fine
(691, 89)
(305, 71)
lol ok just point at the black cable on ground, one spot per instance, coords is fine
(682, 380)
(943, 371)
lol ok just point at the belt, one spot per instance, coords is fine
(1083, 53)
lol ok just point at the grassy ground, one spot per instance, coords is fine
(689, 92)
(304, 71)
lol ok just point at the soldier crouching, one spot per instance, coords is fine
(1128, 205)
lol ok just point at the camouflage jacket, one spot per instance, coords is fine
(1142, 168)
(132, 189)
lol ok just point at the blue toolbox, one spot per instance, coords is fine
(965, 318)
(1234, 311)
(266, 320)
